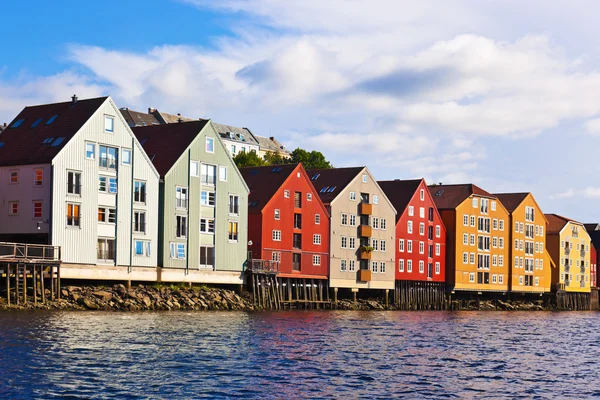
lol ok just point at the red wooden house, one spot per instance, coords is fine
(594, 231)
(421, 243)
(287, 223)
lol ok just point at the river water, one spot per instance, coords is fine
(340, 354)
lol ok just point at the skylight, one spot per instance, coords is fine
(17, 123)
(315, 177)
(57, 142)
(51, 120)
(439, 193)
(277, 169)
(331, 189)
(253, 203)
(143, 141)
(324, 189)
(37, 122)
(1, 144)
(254, 172)
(48, 140)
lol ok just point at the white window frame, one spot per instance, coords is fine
(276, 235)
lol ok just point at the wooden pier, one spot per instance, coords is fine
(419, 295)
(27, 271)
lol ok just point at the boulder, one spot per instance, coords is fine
(104, 295)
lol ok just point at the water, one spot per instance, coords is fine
(341, 354)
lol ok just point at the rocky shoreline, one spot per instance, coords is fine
(166, 298)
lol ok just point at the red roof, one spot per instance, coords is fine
(330, 182)
(511, 201)
(448, 197)
(164, 144)
(23, 145)
(400, 193)
(264, 182)
(557, 222)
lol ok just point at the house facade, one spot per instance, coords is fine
(362, 234)
(475, 220)
(594, 231)
(530, 263)
(203, 201)
(287, 223)
(69, 173)
(568, 244)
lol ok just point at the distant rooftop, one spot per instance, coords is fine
(271, 144)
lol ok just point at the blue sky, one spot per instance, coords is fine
(504, 94)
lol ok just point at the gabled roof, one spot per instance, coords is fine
(595, 237)
(24, 144)
(135, 118)
(242, 135)
(264, 182)
(271, 144)
(164, 144)
(166, 118)
(556, 222)
(448, 197)
(400, 192)
(511, 200)
(329, 183)
(591, 227)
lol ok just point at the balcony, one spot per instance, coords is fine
(365, 209)
(567, 251)
(365, 255)
(365, 231)
(364, 275)
(582, 253)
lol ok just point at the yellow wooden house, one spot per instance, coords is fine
(477, 238)
(569, 246)
(530, 263)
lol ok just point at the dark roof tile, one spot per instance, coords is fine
(448, 197)
(400, 193)
(335, 179)
(264, 182)
(511, 201)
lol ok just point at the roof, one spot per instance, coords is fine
(595, 237)
(166, 118)
(264, 182)
(136, 118)
(400, 192)
(164, 144)
(271, 144)
(511, 200)
(556, 223)
(329, 183)
(591, 227)
(3, 127)
(242, 135)
(24, 144)
(448, 197)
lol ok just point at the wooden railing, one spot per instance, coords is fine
(22, 251)
(263, 266)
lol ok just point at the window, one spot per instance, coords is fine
(14, 177)
(409, 246)
(351, 265)
(472, 240)
(430, 214)
(37, 209)
(494, 278)
(401, 245)
(276, 256)
(17, 123)
(375, 222)
(277, 214)
(276, 236)
(375, 266)
(352, 243)
(73, 211)
(421, 212)
(233, 231)
(465, 258)
(465, 238)
(106, 249)
(471, 258)
(409, 227)
(194, 168)
(139, 221)
(234, 207)
(364, 178)
(74, 182)
(472, 277)
(142, 248)
(207, 174)
(421, 229)
(108, 215)
(233, 149)
(317, 219)
(286, 194)
(411, 211)
(181, 197)
(408, 265)
(421, 247)
(353, 196)
(484, 206)
(107, 185)
(375, 199)
(207, 225)
(308, 196)
(382, 224)
(344, 242)
(316, 239)
(297, 200)
(316, 260)
(177, 250)
(223, 173)
(375, 244)
(210, 145)
(401, 265)
(90, 151)
(382, 245)
(465, 220)
(109, 157)
(501, 224)
(343, 265)
(493, 205)
(382, 267)
(139, 191)
(422, 194)
(352, 220)
(495, 224)
(126, 156)
(109, 124)
(501, 243)
(438, 231)
(421, 266)
(472, 220)
(38, 177)
(437, 249)
(437, 268)
(180, 226)
(344, 220)
(474, 202)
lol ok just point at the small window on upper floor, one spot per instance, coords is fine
(353, 196)
(90, 151)
(422, 194)
(194, 168)
(364, 178)
(375, 199)
(126, 156)
(475, 203)
(308, 196)
(14, 177)
(51, 119)
(210, 145)
(109, 123)
(222, 173)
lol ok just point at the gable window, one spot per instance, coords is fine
(14, 177)
(422, 194)
(139, 221)
(210, 145)
(90, 151)
(409, 227)
(74, 182)
(13, 208)
(277, 214)
(207, 198)
(207, 225)
(109, 157)
(364, 178)
(344, 220)
(353, 196)
(316, 239)
(208, 173)
(438, 231)
(139, 191)
(411, 211)
(409, 246)
(465, 220)
(181, 226)
(233, 231)
(375, 199)
(297, 200)
(401, 245)
(109, 124)
(475, 203)
(352, 220)
(37, 209)
(286, 194)
(73, 211)
(177, 250)
(308, 196)
(234, 208)
(222, 173)
(194, 168)
(38, 177)
(126, 155)
(317, 219)
(181, 197)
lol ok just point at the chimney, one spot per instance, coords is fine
(5, 124)
(73, 99)
(151, 110)
(272, 138)
(179, 118)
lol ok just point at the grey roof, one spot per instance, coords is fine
(233, 133)
(271, 144)
(136, 118)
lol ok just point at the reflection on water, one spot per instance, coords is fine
(299, 354)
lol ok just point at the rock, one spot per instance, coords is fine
(146, 301)
(104, 295)
(88, 303)
(75, 297)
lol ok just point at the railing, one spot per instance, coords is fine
(264, 266)
(582, 253)
(21, 251)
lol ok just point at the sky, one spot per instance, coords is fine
(504, 94)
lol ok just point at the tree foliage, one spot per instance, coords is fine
(309, 159)
(248, 159)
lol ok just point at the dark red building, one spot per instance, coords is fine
(421, 242)
(287, 222)
(594, 231)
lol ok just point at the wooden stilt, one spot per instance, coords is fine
(34, 285)
(42, 284)
(8, 284)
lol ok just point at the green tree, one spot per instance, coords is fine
(248, 159)
(276, 159)
(310, 160)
